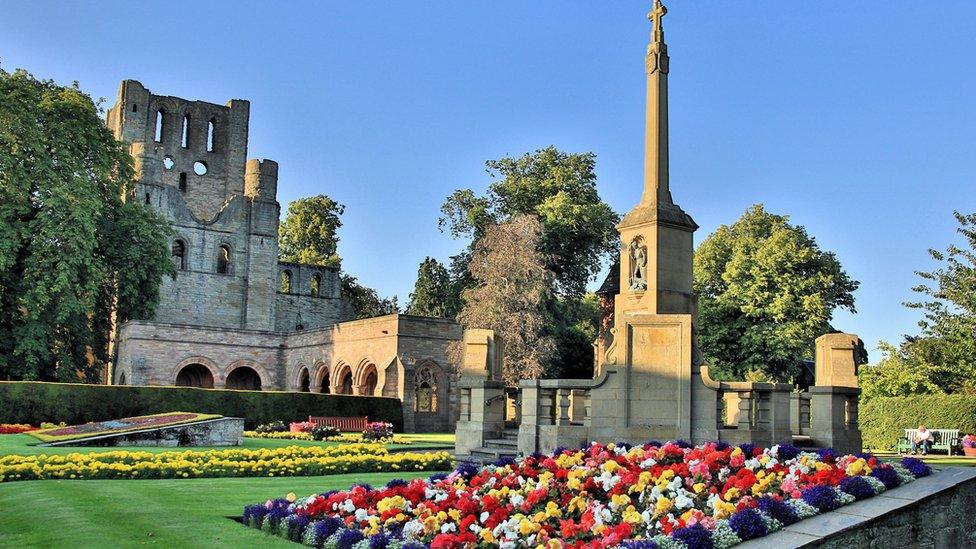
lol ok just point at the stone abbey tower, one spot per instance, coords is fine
(235, 317)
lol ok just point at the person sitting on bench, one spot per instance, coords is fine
(923, 438)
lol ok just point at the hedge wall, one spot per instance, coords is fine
(33, 402)
(884, 419)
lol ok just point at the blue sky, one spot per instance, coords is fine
(856, 119)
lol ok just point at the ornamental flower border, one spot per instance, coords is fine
(669, 496)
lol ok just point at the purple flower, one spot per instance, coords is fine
(296, 527)
(325, 528)
(916, 467)
(887, 475)
(778, 509)
(364, 486)
(857, 487)
(348, 538)
(748, 524)
(379, 541)
(747, 449)
(787, 451)
(681, 443)
(254, 515)
(654, 443)
(504, 461)
(396, 483)
(695, 537)
(559, 450)
(413, 545)
(639, 544)
(822, 497)
(722, 446)
(625, 445)
(466, 470)
(437, 477)
(827, 455)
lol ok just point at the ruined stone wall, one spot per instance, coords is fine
(303, 307)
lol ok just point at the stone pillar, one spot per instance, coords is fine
(483, 414)
(834, 418)
(836, 363)
(528, 434)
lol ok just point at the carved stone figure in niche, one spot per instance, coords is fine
(638, 266)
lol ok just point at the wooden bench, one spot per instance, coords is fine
(344, 424)
(942, 439)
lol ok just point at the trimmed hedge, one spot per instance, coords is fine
(73, 403)
(884, 419)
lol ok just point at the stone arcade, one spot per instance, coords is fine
(650, 383)
(235, 317)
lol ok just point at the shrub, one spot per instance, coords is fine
(324, 432)
(378, 430)
(33, 402)
(273, 427)
(884, 419)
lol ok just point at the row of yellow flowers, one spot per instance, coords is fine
(291, 461)
(344, 437)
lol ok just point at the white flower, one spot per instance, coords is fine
(682, 501)
(361, 515)
(484, 516)
(348, 506)
(413, 529)
(448, 527)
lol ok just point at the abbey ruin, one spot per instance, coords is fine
(235, 317)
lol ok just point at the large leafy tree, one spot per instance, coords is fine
(433, 292)
(578, 227)
(309, 232)
(364, 300)
(766, 290)
(578, 233)
(512, 283)
(72, 251)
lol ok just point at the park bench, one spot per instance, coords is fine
(344, 424)
(942, 439)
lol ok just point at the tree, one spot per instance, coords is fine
(365, 301)
(432, 293)
(72, 251)
(578, 227)
(765, 291)
(511, 290)
(948, 338)
(896, 374)
(308, 233)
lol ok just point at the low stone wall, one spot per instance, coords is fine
(933, 512)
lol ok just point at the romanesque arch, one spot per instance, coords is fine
(304, 381)
(196, 371)
(243, 375)
(366, 379)
(344, 379)
(321, 378)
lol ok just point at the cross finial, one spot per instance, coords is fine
(656, 15)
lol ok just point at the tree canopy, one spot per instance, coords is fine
(578, 227)
(510, 294)
(72, 251)
(309, 232)
(766, 291)
(433, 293)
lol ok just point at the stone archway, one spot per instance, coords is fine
(243, 378)
(195, 375)
(344, 380)
(304, 381)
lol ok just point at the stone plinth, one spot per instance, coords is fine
(833, 422)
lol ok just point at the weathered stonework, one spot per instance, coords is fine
(235, 317)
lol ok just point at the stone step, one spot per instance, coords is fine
(502, 443)
(510, 434)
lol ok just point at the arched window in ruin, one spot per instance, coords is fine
(159, 126)
(285, 282)
(148, 199)
(223, 259)
(182, 182)
(244, 378)
(185, 138)
(195, 375)
(425, 390)
(179, 254)
(369, 384)
(345, 382)
(122, 378)
(303, 381)
(210, 134)
(324, 386)
(314, 284)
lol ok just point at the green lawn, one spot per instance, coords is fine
(164, 513)
(24, 444)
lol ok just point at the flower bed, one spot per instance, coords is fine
(15, 428)
(291, 461)
(96, 428)
(669, 496)
(343, 437)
